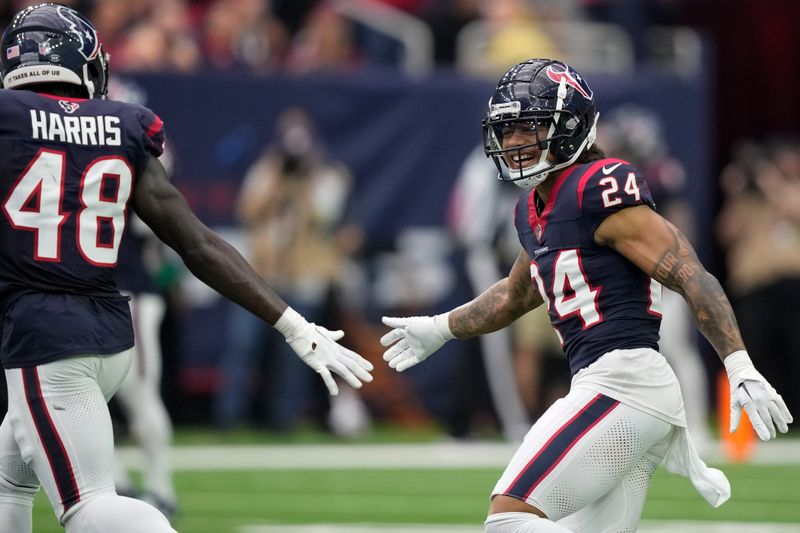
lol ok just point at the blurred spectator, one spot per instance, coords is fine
(636, 17)
(293, 13)
(112, 19)
(290, 203)
(781, 184)
(324, 43)
(446, 19)
(761, 236)
(517, 34)
(150, 48)
(242, 34)
(511, 32)
(637, 135)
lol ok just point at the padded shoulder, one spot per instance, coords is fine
(608, 185)
(153, 136)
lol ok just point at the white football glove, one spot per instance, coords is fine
(416, 337)
(317, 347)
(760, 400)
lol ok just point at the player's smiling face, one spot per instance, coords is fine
(525, 136)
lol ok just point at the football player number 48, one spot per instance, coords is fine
(36, 199)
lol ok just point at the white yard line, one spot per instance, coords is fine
(646, 527)
(390, 456)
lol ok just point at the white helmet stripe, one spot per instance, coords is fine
(562, 93)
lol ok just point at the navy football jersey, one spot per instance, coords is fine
(133, 274)
(67, 173)
(597, 300)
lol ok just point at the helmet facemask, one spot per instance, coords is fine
(559, 136)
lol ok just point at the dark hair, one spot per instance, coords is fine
(593, 153)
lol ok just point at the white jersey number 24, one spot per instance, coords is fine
(573, 295)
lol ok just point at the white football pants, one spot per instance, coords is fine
(587, 463)
(57, 434)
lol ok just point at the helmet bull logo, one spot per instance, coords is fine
(82, 31)
(569, 79)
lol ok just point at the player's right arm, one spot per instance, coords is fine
(209, 257)
(413, 339)
(499, 305)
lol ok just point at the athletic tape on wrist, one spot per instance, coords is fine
(737, 362)
(290, 322)
(442, 323)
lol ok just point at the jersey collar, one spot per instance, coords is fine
(539, 222)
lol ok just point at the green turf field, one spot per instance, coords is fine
(225, 501)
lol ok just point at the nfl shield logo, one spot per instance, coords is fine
(538, 231)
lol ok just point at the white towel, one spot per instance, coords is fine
(682, 458)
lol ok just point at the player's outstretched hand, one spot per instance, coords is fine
(414, 338)
(749, 390)
(317, 347)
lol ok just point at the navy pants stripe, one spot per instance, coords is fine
(562, 441)
(57, 456)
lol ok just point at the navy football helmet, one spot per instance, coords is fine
(51, 43)
(552, 101)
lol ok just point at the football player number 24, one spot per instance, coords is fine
(36, 199)
(573, 295)
(612, 188)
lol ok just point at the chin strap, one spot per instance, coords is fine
(87, 82)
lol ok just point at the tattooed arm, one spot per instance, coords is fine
(657, 247)
(414, 338)
(499, 305)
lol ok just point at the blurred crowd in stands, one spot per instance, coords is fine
(322, 35)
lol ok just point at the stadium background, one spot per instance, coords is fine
(405, 136)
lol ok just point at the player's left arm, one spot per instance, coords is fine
(658, 248)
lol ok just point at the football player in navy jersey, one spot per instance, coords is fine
(73, 164)
(596, 253)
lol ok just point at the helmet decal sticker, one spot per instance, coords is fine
(81, 30)
(569, 79)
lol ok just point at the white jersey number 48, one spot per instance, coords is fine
(36, 199)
